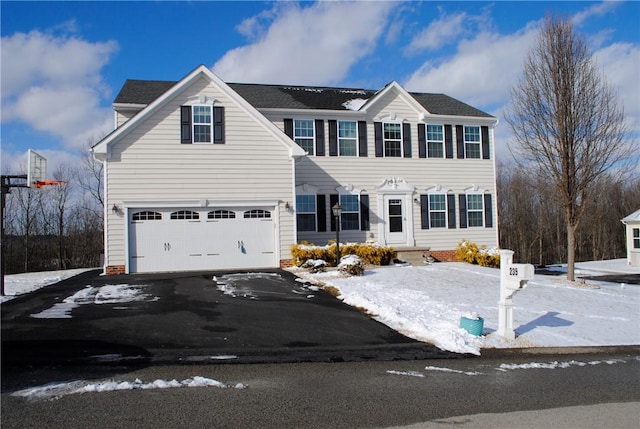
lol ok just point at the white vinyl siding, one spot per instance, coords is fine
(150, 164)
(327, 173)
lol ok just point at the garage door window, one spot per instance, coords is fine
(221, 214)
(257, 214)
(147, 216)
(185, 214)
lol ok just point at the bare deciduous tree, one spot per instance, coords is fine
(567, 122)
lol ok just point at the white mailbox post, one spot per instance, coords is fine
(513, 277)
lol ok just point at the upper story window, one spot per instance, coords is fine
(435, 141)
(392, 135)
(202, 123)
(306, 212)
(475, 210)
(350, 218)
(472, 142)
(437, 210)
(304, 134)
(347, 138)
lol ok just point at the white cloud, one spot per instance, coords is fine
(597, 9)
(480, 72)
(620, 63)
(53, 84)
(317, 44)
(439, 33)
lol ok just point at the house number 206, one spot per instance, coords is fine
(513, 271)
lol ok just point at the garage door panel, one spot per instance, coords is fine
(197, 239)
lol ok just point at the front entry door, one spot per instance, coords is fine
(395, 219)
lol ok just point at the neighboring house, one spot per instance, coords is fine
(632, 224)
(203, 174)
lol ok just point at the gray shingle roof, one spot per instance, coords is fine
(297, 97)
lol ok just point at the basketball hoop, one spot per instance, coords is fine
(40, 183)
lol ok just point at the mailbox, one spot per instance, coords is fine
(513, 277)
(520, 271)
(517, 276)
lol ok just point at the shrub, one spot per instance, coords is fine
(467, 252)
(315, 265)
(470, 252)
(351, 264)
(488, 258)
(369, 253)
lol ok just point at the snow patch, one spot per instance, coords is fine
(57, 390)
(108, 294)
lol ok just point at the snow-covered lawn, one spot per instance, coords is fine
(19, 284)
(426, 303)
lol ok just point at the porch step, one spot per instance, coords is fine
(416, 256)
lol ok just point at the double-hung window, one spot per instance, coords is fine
(438, 210)
(306, 212)
(350, 218)
(636, 238)
(475, 210)
(347, 138)
(435, 141)
(304, 134)
(392, 132)
(472, 142)
(202, 124)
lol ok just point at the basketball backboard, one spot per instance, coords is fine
(37, 168)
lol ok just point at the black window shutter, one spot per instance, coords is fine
(424, 211)
(185, 124)
(451, 211)
(333, 138)
(406, 140)
(333, 200)
(362, 138)
(485, 142)
(448, 141)
(321, 212)
(462, 199)
(288, 128)
(488, 212)
(319, 137)
(218, 124)
(460, 140)
(422, 141)
(377, 132)
(364, 212)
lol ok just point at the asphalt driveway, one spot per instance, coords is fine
(246, 317)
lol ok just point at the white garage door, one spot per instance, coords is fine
(200, 239)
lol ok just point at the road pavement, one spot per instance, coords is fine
(588, 391)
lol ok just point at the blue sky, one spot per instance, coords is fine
(63, 63)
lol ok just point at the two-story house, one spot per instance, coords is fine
(201, 174)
